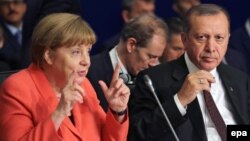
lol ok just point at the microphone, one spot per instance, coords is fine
(125, 77)
(151, 87)
(127, 80)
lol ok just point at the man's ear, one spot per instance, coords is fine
(175, 8)
(131, 44)
(125, 16)
(48, 56)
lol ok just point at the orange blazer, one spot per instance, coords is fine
(27, 102)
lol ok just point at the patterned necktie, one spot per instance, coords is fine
(215, 116)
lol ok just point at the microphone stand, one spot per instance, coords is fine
(150, 86)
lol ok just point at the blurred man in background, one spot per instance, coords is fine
(130, 9)
(240, 41)
(175, 47)
(182, 6)
(12, 12)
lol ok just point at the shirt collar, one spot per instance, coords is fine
(13, 29)
(115, 59)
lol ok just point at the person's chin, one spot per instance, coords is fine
(208, 66)
(80, 80)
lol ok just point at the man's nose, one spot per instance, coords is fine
(210, 45)
(154, 62)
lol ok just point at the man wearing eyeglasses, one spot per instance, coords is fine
(11, 13)
(142, 42)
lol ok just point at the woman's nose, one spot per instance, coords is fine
(85, 60)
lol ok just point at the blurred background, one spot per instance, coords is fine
(104, 16)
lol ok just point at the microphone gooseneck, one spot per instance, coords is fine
(149, 84)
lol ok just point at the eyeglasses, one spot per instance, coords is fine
(146, 56)
(8, 2)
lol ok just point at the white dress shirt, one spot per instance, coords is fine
(221, 101)
(14, 31)
(115, 59)
(247, 25)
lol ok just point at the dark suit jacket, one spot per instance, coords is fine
(11, 52)
(109, 44)
(236, 59)
(101, 69)
(147, 122)
(36, 10)
(4, 66)
(240, 41)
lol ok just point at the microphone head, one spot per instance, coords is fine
(147, 80)
(125, 77)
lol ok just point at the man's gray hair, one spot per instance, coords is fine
(143, 28)
(203, 10)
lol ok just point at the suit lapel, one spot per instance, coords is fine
(68, 123)
(232, 92)
(108, 68)
(195, 115)
(193, 109)
(77, 116)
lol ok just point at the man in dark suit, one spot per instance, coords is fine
(232, 57)
(240, 41)
(142, 42)
(183, 86)
(12, 12)
(175, 47)
(36, 10)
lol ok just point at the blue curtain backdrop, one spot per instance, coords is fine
(104, 16)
